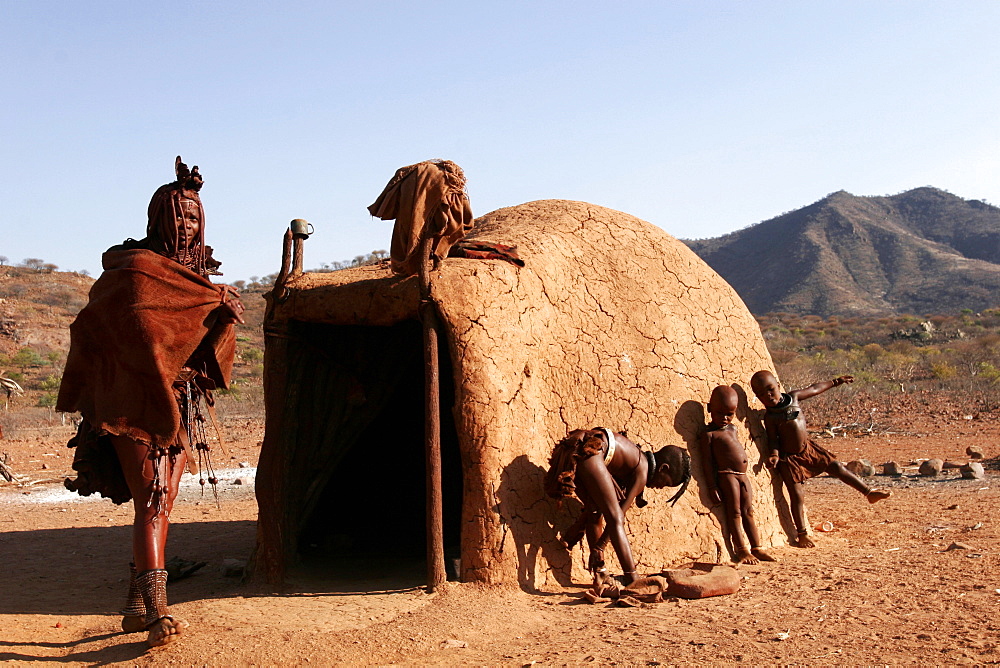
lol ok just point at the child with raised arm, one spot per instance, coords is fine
(795, 455)
(725, 464)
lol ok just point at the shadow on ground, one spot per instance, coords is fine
(84, 571)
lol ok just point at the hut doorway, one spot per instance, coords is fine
(367, 504)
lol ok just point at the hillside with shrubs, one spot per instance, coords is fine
(37, 305)
(941, 365)
(945, 363)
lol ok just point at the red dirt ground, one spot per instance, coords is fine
(880, 588)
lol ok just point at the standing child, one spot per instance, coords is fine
(796, 456)
(725, 465)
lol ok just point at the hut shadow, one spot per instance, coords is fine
(753, 420)
(526, 511)
(354, 575)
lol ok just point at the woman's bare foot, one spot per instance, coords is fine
(744, 556)
(876, 495)
(133, 623)
(761, 554)
(165, 630)
(804, 541)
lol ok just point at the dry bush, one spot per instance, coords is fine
(241, 400)
(63, 298)
(23, 420)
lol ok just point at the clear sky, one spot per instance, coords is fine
(699, 116)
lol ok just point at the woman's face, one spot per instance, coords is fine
(188, 224)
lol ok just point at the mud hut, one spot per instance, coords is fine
(612, 322)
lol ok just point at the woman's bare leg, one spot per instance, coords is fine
(600, 488)
(150, 526)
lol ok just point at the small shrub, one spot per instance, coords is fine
(50, 383)
(943, 370)
(989, 373)
(27, 357)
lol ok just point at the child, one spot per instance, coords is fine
(797, 457)
(725, 465)
(608, 473)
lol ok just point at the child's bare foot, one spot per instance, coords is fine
(876, 495)
(804, 541)
(133, 623)
(762, 555)
(746, 557)
(165, 630)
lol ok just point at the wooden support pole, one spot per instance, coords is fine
(300, 229)
(432, 426)
(297, 252)
(280, 291)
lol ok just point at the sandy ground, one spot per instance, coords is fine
(882, 587)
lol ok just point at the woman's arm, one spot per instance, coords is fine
(232, 306)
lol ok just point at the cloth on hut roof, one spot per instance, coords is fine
(486, 250)
(427, 200)
(146, 318)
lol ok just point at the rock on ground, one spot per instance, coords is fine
(861, 467)
(931, 467)
(973, 471)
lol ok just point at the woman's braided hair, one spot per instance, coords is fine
(683, 465)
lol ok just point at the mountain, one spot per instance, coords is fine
(921, 251)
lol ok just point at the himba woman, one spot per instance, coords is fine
(155, 339)
(608, 473)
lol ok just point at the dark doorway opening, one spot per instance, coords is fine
(369, 511)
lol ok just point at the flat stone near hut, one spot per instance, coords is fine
(973, 471)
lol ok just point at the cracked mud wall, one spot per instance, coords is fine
(612, 322)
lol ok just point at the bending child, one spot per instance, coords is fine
(796, 456)
(608, 473)
(725, 465)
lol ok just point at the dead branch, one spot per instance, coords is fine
(866, 427)
(5, 471)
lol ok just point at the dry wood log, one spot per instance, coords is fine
(6, 471)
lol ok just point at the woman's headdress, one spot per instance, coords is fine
(164, 211)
